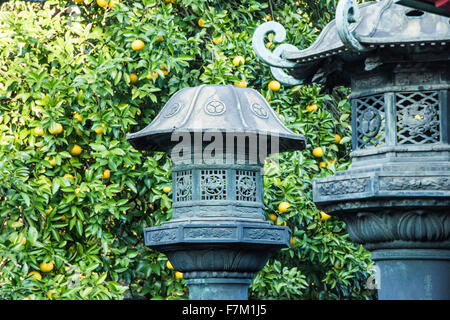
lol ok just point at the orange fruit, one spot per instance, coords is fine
(292, 241)
(322, 164)
(241, 84)
(46, 267)
(218, 40)
(238, 60)
(137, 45)
(99, 130)
(273, 217)
(160, 39)
(49, 210)
(79, 1)
(153, 75)
(39, 131)
(101, 3)
(317, 152)
(324, 216)
(77, 116)
(58, 129)
(179, 275)
(68, 176)
(36, 275)
(274, 85)
(268, 44)
(284, 206)
(167, 189)
(76, 150)
(201, 22)
(337, 138)
(311, 107)
(134, 78)
(337, 266)
(169, 265)
(112, 3)
(106, 174)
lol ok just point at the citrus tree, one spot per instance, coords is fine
(75, 77)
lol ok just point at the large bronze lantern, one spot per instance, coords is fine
(218, 138)
(395, 197)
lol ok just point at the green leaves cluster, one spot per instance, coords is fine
(57, 67)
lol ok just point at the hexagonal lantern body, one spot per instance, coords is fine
(218, 137)
(395, 197)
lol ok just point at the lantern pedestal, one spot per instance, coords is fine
(218, 260)
(413, 274)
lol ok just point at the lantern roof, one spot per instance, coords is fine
(215, 109)
(358, 31)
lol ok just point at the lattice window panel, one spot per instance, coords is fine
(370, 121)
(245, 185)
(183, 185)
(213, 184)
(417, 117)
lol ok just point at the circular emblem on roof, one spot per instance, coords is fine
(173, 110)
(259, 110)
(215, 108)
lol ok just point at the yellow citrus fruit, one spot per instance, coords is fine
(137, 45)
(167, 189)
(58, 129)
(268, 44)
(292, 241)
(164, 70)
(63, 218)
(322, 164)
(133, 78)
(102, 3)
(337, 138)
(337, 266)
(36, 275)
(169, 265)
(238, 60)
(241, 84)
(153, 75)
(106, 174)
(218, 40)
(179, 275)
(79, 1)
(284, 206)
(324, 216)
(201, 22)
(274, 85)
(78, 117)
(112, 3)
(311, 107)
(39, 131)
(50, 293)
(99, 130)
(273, 217)
(68, 176)
(160, 39)
(53, 162)
(46, 267)
(317, 152)
(76, 150)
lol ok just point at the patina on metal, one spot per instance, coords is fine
(395, 197)
(218, 137)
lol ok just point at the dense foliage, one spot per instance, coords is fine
(75, 196)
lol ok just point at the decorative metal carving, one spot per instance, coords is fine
(183, 185)
(204, 233)
(415, 183)
(213, 185)
(163, 235)
(343, 186)
(173, 110)
(215, 108)
(347, 15)
(259, 110)
(245, 185)
(418, 117)
(370, 121)
(266, 234)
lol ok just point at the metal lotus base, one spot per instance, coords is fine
(218, 259)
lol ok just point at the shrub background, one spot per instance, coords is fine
(54, 64)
